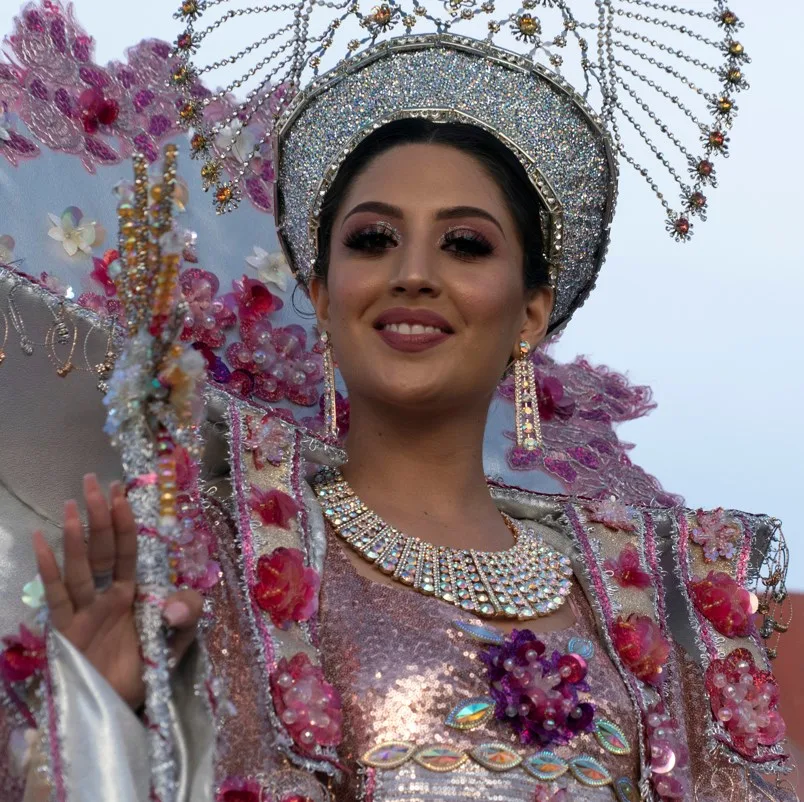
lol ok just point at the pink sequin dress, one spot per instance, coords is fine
(401, 666)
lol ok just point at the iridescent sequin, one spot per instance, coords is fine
(471, 714)
(582, 646)
(611, 737)
(388, 755)
(496, 757)
(589, 771)
(440, 758)
(625, 790)
(546, 766)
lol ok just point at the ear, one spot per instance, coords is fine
(319, 295)
(537, 317)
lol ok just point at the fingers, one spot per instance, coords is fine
(101, 542)
(58, 600)
(182, 612)
(125, 528)
(77, 575)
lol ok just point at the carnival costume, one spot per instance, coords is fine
(310, 682)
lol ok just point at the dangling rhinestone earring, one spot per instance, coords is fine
(330, 405)
(526, 401)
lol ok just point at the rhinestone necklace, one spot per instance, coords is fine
(526, 581)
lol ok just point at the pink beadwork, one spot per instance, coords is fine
(286, 588)
(725, 603)
(306, 703)
(641, 645)
(612, 513)
(267, 442)
(627, 569)
(668, 754)
(717, 532)
(744, 701)
(207, 317)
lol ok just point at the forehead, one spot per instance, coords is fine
(426, 177)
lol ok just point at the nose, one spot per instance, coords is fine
(415, 270)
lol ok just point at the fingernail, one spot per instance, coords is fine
(176, 613)
(116, 490)
(91, 482)
(70, 508)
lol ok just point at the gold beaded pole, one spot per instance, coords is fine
(150, 414)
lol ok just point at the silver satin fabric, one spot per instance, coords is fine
(104, 743)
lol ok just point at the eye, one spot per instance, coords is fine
(373, 239)
(466, 243)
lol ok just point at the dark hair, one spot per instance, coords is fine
(498, 161)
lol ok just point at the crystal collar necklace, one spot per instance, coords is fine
(526, 581)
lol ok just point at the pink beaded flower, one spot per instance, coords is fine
(253, 299)
(286, 588)
(278, 362)
(668, 754)
(97, 110)
(612, 513)
(627, 569)
(23, 656)
(725, 603)
(537, 694)
(744, 700)
(641, 646)
(267, 441)
(306, 703)
(207, 316)
(717, 533)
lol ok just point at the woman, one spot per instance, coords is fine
(436, 259)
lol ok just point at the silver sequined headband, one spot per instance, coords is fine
(647, 68)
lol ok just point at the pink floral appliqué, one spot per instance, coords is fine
(627, 569)
(725, 603)
(267, 441)
(23, 656)
(611, 513)
(207, 316)
(717, 532)
(253, 299)
(273, 507)
(668, 752)
(641, 646)
(286, 588)
(306, 703)
(744, 701)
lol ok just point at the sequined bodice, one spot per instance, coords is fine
(402, 666)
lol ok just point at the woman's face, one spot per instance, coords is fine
(425, 300)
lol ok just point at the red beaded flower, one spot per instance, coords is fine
(23, 656)
(627, 569)
(253, 299)
(641, 646)
(725, 603)
(286, 588)
(234, 789)
(744, 701)
(273, 507)
(306, 703)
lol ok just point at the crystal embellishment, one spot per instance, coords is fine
(526, 581)
(589, 771)
(546, 766)
(388, 755)
(480, 633)
(581, 646)
(625, 790)
(440, 758)
(471, 714)
(611, 737)
(496, 757)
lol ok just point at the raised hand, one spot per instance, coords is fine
(92, 601)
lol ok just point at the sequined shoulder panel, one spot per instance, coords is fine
(404, 669)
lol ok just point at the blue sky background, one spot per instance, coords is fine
(714, 326)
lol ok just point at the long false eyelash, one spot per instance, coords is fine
(373, 237)
(473, 243)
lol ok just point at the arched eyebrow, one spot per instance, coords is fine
(453, 213)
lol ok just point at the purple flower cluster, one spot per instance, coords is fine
(538, 694)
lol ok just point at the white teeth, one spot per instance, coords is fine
(416, 328)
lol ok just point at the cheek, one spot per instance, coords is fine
(491, 297)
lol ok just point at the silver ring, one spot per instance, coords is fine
(103, 580)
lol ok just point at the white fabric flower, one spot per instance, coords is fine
(241, 140)
(272, 268)
(74, 236)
